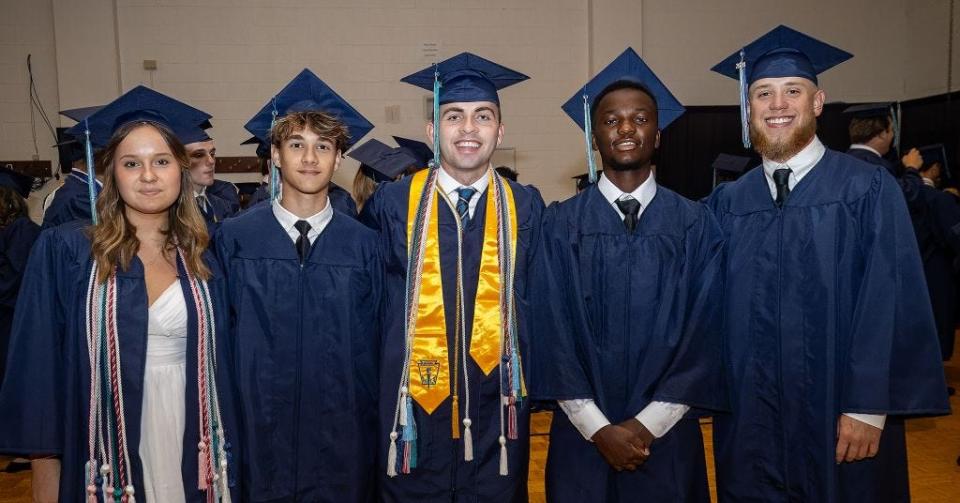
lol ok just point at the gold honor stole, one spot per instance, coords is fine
(429, 368)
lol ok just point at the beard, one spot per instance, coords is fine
(783, 150)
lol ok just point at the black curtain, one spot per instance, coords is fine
(689, 146)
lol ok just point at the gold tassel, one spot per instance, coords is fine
(454, 415)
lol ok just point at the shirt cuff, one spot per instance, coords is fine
(875, 420)
(659, 417)
(585, 416)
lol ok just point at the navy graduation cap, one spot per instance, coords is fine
(263, 146)
(628, 66)
(869, 110)
(381, 162)
(307, 93)
(781, 52)
(731, 163)
(193, 133)
(138, 104)
(418, 149)
(935, 154)
(69, 148)
(16, 181)
(466, 77)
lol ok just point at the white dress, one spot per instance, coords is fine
(164, 385)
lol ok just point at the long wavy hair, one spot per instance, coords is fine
(114, 238)
(12, 206)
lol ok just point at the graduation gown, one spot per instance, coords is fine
(217, 211)
(441, 474)
(16, 240)
(228, 192)
(70, 202)
(307, 353)
(340, 199)
(45, 397)
(633, 318)
(936, 224)
(825, 314)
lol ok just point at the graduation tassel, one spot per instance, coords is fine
(91, 173)
(403, 406)
(130, 497)
(467, 440)
(512, 419)
(503, 456)
(392, 455)
(274, 172)
(744, 120)
(588, 138)
(436, 116)
(454, 414)
(202, 460)
(409, 439)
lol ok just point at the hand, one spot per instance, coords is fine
(912, 159)
(46, 480)
(641, 432)
(856, 440)
(620, 447)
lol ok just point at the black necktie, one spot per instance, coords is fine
(303, 242)
(630, 208)
(781, 178)
(464, 194)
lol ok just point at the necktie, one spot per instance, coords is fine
(630, 208)
(303, 242)
(464, 194)
(202, 202)
(781, 178)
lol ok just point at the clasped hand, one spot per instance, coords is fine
(625, 446)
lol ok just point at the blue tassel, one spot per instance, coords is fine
(436, 116)
(410, 432)
(274, 173)
(91, 172)
(588, 138)
(744, 119)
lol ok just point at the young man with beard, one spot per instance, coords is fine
(831, 341)
(305, 282)
(630, 311)
(458, 241)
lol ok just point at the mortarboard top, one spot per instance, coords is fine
(783, 52)
(383, 162)
(263, 147)
(193, 133)
(418, 149)
(78, 114)
(935, 153)
(16, 181)
(869, 110)
(731, 163)
(138, 104)
(626, 67)
(70, 148)
(306, 92)
(466, 77)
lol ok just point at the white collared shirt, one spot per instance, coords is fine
(643, 194)
(318, 222)
(868, 148)
(204, 201)
(449, 187)
(657, 417)
(800, 165)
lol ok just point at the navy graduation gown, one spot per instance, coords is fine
(16, 240)
(45, 397)
(441, 473)
(633, 318)
(70, 202)
(307, 356)
(825, 314)
(340, 199)
(228, 192)
(217, 211)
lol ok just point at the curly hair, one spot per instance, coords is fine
(12, 206)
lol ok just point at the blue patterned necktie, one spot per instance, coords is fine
(464, 194)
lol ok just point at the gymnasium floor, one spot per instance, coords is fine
(933, 446)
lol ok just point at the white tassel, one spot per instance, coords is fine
(392, 456)
(130, 491)
(503, 456)
(467, 440)
(403, 406)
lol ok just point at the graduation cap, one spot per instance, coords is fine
(629, 67)
(307, 93)
(78, 114)
(382, 162)
(935, 154)
(138, 104)
(193, 133)
(465, 77)
(263, 146)
(869, 110)
(583, 181)
(418, 149)
(70, 148)
(735, 164)
(19, 182)
(781, 52)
